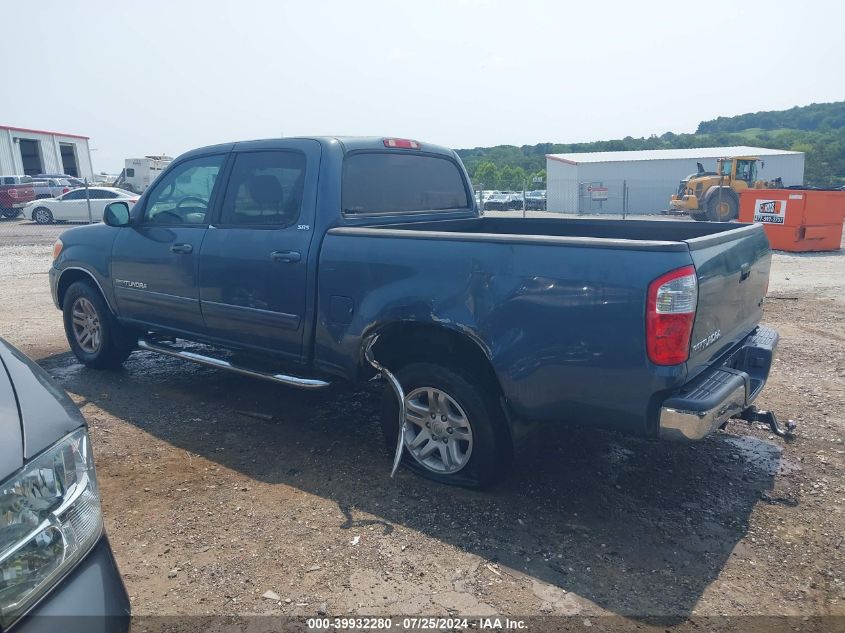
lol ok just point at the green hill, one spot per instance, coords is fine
(817, 129)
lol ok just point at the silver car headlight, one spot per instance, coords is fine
(50, 517)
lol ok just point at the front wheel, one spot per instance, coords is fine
(42, 215)
(455, 433)
(95, 336)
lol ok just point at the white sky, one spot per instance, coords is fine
(164, 76)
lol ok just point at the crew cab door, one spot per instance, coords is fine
(254, 260)
(155, 260)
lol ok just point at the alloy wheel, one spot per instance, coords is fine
(87, 328)
(439, 435)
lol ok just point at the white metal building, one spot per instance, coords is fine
(643, 181)
(30, 152)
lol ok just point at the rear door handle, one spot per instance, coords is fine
(181, 249)
(744, 272)
(288, 257)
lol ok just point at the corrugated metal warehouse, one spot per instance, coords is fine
(595, 182)
(30, 152)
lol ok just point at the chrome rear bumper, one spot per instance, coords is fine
(707, 402)
(679, 424)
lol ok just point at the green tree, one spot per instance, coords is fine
(486, 176)
(817, 129)
(512, 178)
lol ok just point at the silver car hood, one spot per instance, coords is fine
(11, 440)
(40, 414)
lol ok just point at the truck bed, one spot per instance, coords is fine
(558, 304)
(629, 234)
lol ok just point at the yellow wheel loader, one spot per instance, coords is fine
(714, 196)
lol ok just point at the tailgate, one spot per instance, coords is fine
(17, 194)
(733, 276)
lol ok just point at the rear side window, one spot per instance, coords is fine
(265, 188)
(389, 182)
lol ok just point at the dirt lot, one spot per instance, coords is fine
(218, 488)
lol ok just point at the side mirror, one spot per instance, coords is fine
(116, 214)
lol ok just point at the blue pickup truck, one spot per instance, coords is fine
(306, 261)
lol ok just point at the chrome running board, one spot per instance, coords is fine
(284, 379)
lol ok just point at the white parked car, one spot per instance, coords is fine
(73, 206)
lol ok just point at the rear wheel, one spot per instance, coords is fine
(42, 215)
(455, 432)
(94, 334)
(722, 208)
(9, 213)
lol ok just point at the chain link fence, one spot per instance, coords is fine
(32, 208)
(610, 197)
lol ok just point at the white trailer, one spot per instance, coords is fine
(139, 173)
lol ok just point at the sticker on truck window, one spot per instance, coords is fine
(770, 211)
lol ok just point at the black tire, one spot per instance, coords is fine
(698, 216)
(729, 207)
(42, 215)
(491, 446)
(115, 342)
(10, 214)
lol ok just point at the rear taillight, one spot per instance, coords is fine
(670, 313)
(401, 143)
(13, 193)
(65, 190)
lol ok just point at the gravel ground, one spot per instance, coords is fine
(217, 489)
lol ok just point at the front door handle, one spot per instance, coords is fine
(181, 249)
(288, 257)
(744, 272)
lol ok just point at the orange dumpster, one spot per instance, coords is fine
(796, 219)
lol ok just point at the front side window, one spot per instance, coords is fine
(183, 194)
(130, 173)
(265, 188)
(389, 182)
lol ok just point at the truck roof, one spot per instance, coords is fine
(346, 143)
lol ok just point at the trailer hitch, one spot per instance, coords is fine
(400, 396)
(753, 414)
